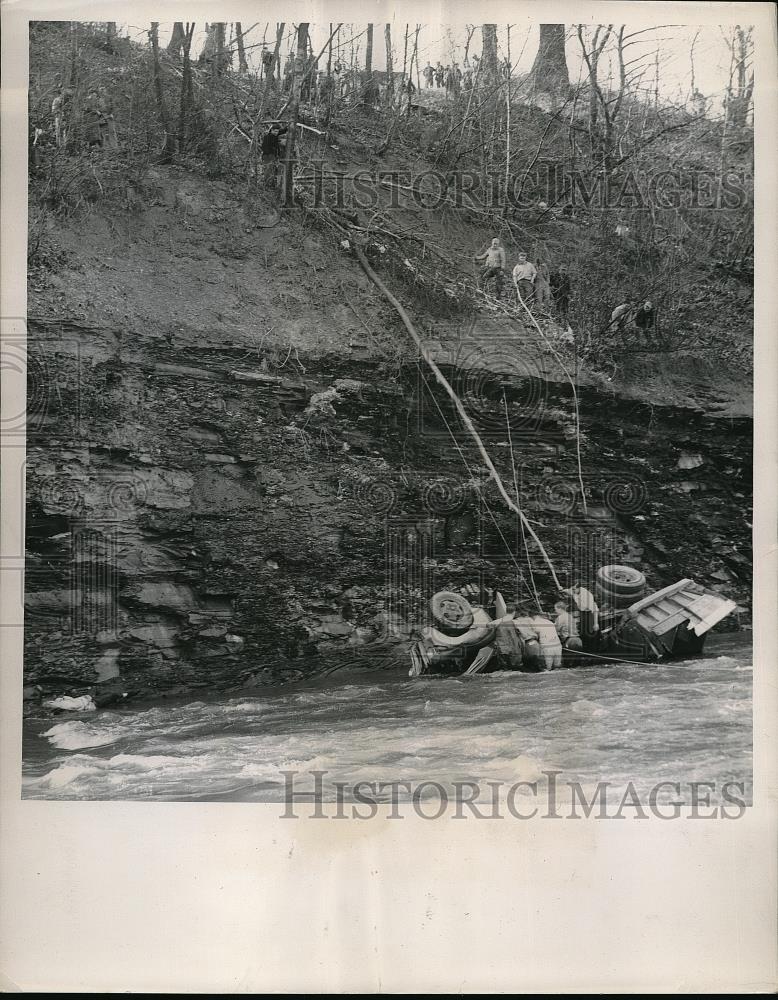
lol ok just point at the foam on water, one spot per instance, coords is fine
(680, 722)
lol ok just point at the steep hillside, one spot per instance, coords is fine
(238, 473)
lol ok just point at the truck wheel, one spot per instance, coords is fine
(624, 580)
(451, 613)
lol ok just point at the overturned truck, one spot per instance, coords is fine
(622, 624)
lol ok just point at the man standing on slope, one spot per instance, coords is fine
(524, 275)
(494, 265)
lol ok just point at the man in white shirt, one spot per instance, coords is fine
(524, 275)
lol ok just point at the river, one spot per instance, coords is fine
(681, 722)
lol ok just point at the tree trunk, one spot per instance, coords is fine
(291, 139)
(405, 60)
(276, 51)
(176, 42)
(389, 64)
(490, 74)
(110, 36)
(186, 87)
(242, 64)
(169, 148)
(369, 52)
(740, 90)
(213, 49)
(549, 74)
(415, 55)
(221, 56)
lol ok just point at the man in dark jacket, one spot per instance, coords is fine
(560, 291)
(273, 148)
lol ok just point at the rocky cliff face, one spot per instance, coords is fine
(254, 482)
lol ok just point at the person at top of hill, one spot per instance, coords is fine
(273, 148)
(429, 75)
(494, 265)
(439, 74)
(524, 275)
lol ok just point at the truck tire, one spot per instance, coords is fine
(451, 613)
(607, 599)
(624, 580)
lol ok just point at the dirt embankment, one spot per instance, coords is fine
(237, 473)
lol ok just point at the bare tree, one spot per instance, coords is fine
(214, 49)
(741, 83)
(470, 28)
(490, 73)
(187, 88)
(294, 110)
(549, 74)
(175, 45)
(169, 148)
(389, 64)
(274, 66)
(369, 51)
(242, 64)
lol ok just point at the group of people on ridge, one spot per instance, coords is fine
(98, 126)
(534, 285)
(451, 77)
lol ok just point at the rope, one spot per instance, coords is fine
(575, 394)
(473, 478)
(516, 490)
(458, 404)
(612, 659)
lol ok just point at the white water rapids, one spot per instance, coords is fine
(682, 722)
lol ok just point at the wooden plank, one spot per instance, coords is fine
(671, 623)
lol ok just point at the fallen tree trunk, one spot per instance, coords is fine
(443, 381)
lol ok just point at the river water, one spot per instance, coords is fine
(682, 722)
